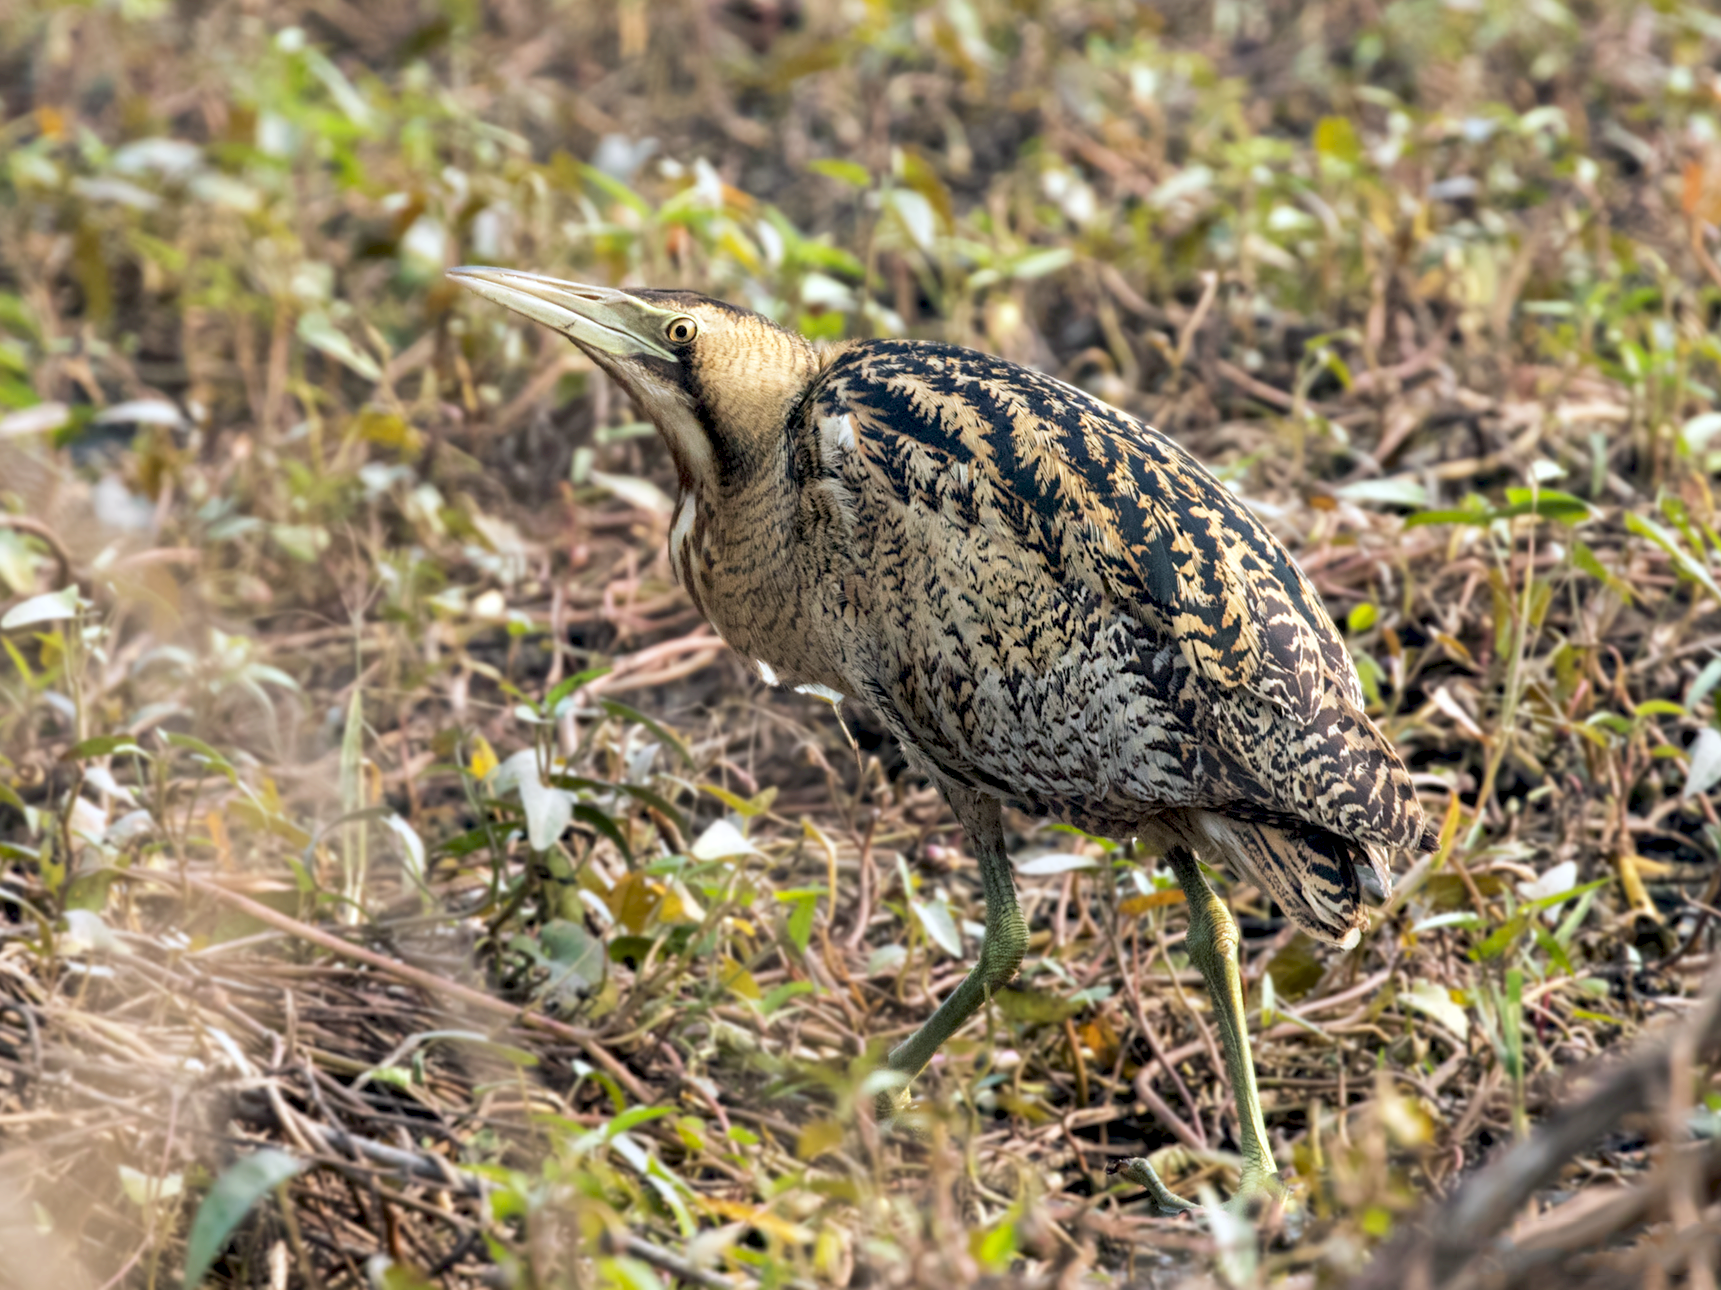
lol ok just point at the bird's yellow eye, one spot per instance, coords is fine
(681, 330)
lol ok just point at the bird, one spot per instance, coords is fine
(1049, 604)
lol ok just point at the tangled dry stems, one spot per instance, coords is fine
(468, 1102)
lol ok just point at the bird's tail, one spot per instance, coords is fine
(1316, 877)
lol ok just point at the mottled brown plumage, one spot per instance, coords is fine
(1047, 602)
(1044, 599)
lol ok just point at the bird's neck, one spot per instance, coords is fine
(736, 550)
(750, 510)
(747, 393)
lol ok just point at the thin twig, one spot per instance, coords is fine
(436, 985)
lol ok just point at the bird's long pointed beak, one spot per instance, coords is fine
(594, 318)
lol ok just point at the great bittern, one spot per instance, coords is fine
(1045, 601)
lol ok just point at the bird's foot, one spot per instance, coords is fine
(894, 1107)
(1259, 1190)
(1140, 1171)
(891, 1104)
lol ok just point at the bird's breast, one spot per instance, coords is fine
(745, 566)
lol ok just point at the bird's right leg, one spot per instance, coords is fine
(1001, 950)
(1212, 944)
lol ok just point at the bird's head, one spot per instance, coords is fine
(718, 382)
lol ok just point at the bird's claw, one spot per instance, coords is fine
(1258, 1190)
(896, 1111)
(1166, 1203)
(890, 1104)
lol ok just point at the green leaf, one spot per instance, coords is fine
(351, 782)
(214, 760)
(403, 1276)
(1587, 560)
(995, 1249)
(1448, 517)
(1659, 708)
(644, 796)
(800, 924)
(778, 995)
(821, 255)
(848, 172)
(1503, 937)
(590, 815)
(1569, 925)
(663, 732)
(1560, 897)
(18, 661)
(1549, 503)
(234, 1195)
(569, 684)
(1682, 560)
(635, 1116)
(1512, 1023)
(465, 844)
(100, 746)
(1553, 949)
(637, 948)
(614, 188)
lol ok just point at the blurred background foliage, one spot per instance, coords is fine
(321, 584)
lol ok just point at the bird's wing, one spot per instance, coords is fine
(1100, 496)
(1041, 474)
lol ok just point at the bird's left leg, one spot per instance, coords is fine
(1212, 942)
(1001, 950)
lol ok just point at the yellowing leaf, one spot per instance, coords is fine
(218, 838)
(484, 759)
(634, 900)
(1100, 1038)
(390, 430)
(762, 1219)
(1336, 137)
(1136, 906)
(1033, 1007)
(739, 980)
(746, 806)
(817, 1138)
(670, 908)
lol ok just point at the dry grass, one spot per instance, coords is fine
(1433, 286)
